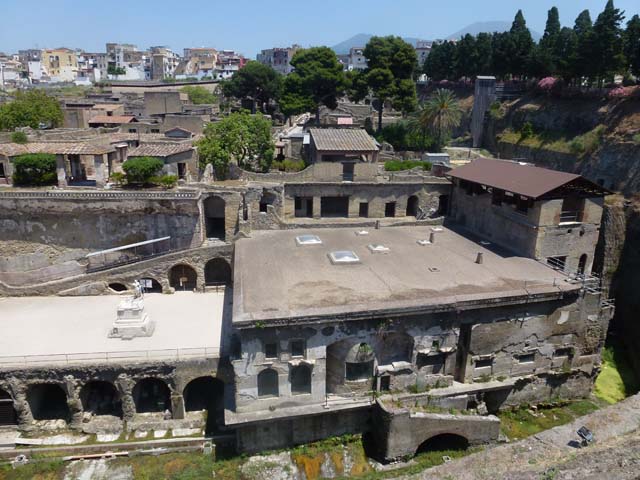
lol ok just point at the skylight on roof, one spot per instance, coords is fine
(424, 242)
(343, 257)
(302, 240)
(361, 233)
(378, 248)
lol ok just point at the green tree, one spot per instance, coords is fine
(199, 95)
(391, 63)
(142, 169)
(483, 54)
(632, 45)
(465, 58)
(546, 54)
(567, 54)
(37, 169)
(242, 138)
(257, 82)
(583, 28)
(608, 53)
(501, 57)
(19, 137)
(317, 79)
(30, 109)
(441, 114)
(438, 65)
(520, 47)
(357, 88)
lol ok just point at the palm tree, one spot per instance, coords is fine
(441, 113)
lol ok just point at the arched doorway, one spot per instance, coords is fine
(395, 347)
(349, 367)
(582, 264)
(412, 206)
(206, 393)
(151, 285)
(442, 442)
(217, 272)
(7, 412)
(268, 383)
(151, 395)
(48, 401)
(183, 278)
(214, 213)
(101, 398)
(301, 380)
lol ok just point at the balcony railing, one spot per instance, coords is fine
(570, 217)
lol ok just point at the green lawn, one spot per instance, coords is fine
(617, 379)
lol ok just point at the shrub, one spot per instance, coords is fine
(118, 178)
(141, 169)
(35, 169)
(577, 146)
(168, 181)
(526, 131)
(400, 165)
(636, 138)
(288, 165)
(19, 137)
(547, 84)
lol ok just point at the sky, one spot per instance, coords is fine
(248, 26)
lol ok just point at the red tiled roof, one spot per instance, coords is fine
(55, 148)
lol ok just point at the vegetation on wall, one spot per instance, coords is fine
(141, 170)
(19, 137)
(36, 169)
(199, 95)
(32, 108)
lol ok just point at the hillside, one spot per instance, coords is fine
(360, 40)
(489, 27)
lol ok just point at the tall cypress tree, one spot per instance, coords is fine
(584, 66)
(608, 51)
(548, 49)
(521, 46)
(632, 45)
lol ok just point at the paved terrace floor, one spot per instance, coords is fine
(49, 330)
(275, 278)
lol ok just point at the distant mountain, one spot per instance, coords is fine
(361, 40)
(489, 27)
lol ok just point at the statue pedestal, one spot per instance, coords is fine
(132, 320)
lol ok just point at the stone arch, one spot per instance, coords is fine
(412, 206)
(7, 411)
(151, 395)
(395, 347)
(101, 398)
(206, 393)
(48, 401)
(156, 286)
(217, 271)
(268, 383)
(183, 278)
(118, 287)
(300, 380)
(349, 361)
(214, 213)
(582, 264)
(268, 198)
(443, 441)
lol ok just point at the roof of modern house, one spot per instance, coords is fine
(159, 150)
(114, 119)
(521, 178)
(277, 279)
(55, 148)
(342, 140)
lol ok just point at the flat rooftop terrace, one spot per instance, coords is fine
(42, 331)
(276, 279)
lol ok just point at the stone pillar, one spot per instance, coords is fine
(73, 401)
(100, 167)
(485, 95)
(177, 406)
(125, 384)
(316, 207)
(20, 404)
(61, 170)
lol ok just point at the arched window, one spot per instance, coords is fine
(183, 278)
(582, 264)
(101, 398)
(48, 401)
(412, 206)
(301, 380)
(268, 383)
(217, 271)
(7, 412)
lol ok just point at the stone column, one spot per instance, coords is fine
(99, 166)
(73, 401)
(316, 207)
(20, 404)
(125, 384)
(177, 406)
(61, 170)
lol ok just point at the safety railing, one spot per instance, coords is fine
(174, 354)
(569, 217)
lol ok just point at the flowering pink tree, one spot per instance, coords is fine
(547, 83)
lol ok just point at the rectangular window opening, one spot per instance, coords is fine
(484, 363)
(527, 358)
(271, 350)
(297, 348)
(390, 209)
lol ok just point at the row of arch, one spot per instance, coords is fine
(48, 401)
(183, 277)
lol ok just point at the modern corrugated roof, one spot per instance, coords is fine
(523, 179)
(159, 150)
(56, 148)
(342, 140)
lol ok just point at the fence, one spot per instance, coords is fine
(176, 354)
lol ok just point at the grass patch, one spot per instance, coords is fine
(399, 165)
(556, 141)
(46, 470)
(617, 380)
(521, 423)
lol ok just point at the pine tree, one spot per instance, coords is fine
(632, 45)
(608, 55)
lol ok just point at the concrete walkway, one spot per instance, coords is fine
(552, 448)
